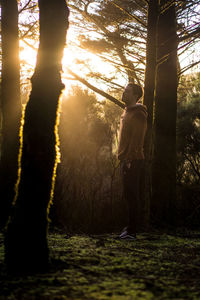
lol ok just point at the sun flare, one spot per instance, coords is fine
(28, 55)
(78, 60)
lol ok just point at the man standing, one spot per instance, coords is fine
(133, 127)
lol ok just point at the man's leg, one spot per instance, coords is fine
(131, 182)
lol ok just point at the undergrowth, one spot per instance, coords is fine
(155, 266)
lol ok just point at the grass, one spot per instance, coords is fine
(156, 266)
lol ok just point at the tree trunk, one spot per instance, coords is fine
(149, 88)
(164, 162)
(26, 246)
(10, 106)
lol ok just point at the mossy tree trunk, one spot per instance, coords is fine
(26, 246)
(149, 89)
(10, 106)
(164, 161)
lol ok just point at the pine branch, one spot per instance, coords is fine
(26, 6)
(29, 30)
(191, 35)
(96, 90)
(192, 165)
(188, 67)
(137, 19)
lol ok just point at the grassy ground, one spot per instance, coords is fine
(156, 266)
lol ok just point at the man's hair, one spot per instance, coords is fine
(137, 90)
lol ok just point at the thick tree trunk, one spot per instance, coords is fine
(10, 106)
(164, 162)
(150, 72)
(149, 88)
(26, 245)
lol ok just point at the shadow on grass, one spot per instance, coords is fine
(155, 266)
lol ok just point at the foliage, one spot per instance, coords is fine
(188, 131)
(28, 20)
(156, 266)
(88, 184)
(116, 31)
(188, 154)
(188, 34)
(85, 185)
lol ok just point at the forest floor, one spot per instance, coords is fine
(155, 266)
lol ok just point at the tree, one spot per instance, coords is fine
(148, 100)
(188, 131)
(107, 28)
(29, 37)
(120, 27)
(150, 70)
(119, 34)
(164, 158)
(26, 246)
(10, 106)
(117, 28)
(165, 104)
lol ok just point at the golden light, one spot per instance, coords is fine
(27, 55)
(74, 58)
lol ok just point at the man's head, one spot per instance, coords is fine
(132, 93)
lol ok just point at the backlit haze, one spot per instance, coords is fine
(73, 58)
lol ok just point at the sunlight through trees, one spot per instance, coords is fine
(108, 44)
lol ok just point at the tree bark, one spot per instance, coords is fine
(26, 246)
(149, 89)
(10, 106)
(164, 161)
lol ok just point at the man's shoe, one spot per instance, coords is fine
(126, 235)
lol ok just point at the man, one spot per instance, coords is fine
(133, 127)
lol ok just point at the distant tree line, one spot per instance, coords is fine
(165, 29)
(88, 194)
